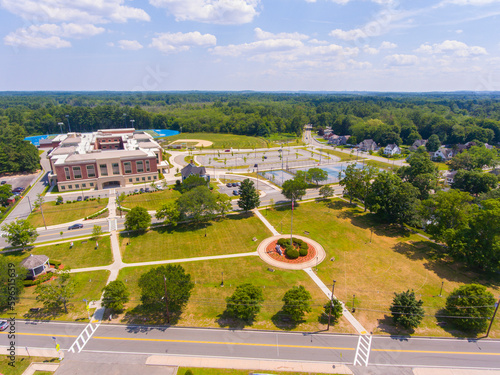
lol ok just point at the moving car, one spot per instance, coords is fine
(3, 325)
(75, 226)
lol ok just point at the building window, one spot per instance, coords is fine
(77, 186)
(127, 166)
(149, 178)
(144, 179)
(66, 172)
(129, 180)
(104, 169)
(91, 184)
(77, 172)
(84, 185)
(63, 187)
(137, 178)
(90, 171)
(154, 177)
(116, 169)
(147, 165)
(70, 186)
(140, 166)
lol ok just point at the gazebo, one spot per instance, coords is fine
(35, 264)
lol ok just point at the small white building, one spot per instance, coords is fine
(392, 149)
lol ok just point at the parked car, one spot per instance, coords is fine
(236, 192)
(238, 184)
(3, 182)
(75, 226)
(229, 184)
(3, 325)
(86, 198)
(265, 157)
(141, 190)
(18, 189)
(147, 190)
(79, 198)
(234, 184)
(227, 150)
(136, 191)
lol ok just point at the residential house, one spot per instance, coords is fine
(368, 145)
(418, 143)
(392, 149)
(340, 140)
(192, 169)
(443, 154)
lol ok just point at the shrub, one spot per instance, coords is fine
(303, 252)
(291, 252)
(55, 263)
(283, 242)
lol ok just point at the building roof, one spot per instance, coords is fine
(190, 169)
(64, 150)
(148, 145)
(126, 154)
(34, 261)
(142, 136)
(71, 140)
(391, 146)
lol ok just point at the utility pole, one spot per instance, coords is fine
(331, 304)
(493, 318)
(29, 203)
(166, 298)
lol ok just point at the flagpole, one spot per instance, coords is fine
(291, 227)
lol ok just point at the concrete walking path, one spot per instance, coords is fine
(266, 223)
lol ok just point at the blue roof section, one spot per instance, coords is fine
(36, 138)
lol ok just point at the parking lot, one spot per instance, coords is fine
(22, 181)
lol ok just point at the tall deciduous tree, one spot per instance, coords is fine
(11, 283)
(165, 286)
(336, 310)
(422, 172)
(474, 182)
(223, 203)
(5, 194)
(138, 219)
(115, 295)
(433, 143)
(249, 197)
(169, 213)
(198, 204)
(326, 191)
(295, 188)
(57, 293)
(316, 175)
(193, 181)
(245, 303)
(471, 306)
(406, 310)
(297, 303)
(20, 233)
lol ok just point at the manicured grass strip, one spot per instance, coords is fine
(208, 299)
(21, 364)
(234, 234)
(88, 286)
(341, 155)
(219, 371)
(66, 212)
(375, 266)
(222, 140)
(381, 165)
(83, 254)
(151, 201)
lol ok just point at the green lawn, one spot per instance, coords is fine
(207, 302)
(233, 234)
(381, 165)
(343, 156)
(83, 253)
(372, 270)
(88, 286)
(222, 140)
(219, 371)
(151, 201)
(21, 364)
(66, 212)
(442, 166)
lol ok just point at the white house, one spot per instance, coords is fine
(443, 154)
(392, 149)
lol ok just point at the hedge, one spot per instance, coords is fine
(291, 253)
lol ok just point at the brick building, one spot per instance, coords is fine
(108, 157)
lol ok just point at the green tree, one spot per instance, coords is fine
(406, 310)
(297, 303)
(138, 219)
(474, 182)
(20, 233)
(11, 283)
(394, 200)
(316, 175)
(193, 181)
(433, 143)
(165, 287)
(472, 305)
(249, 197)
(169, 213)
(245, 303)
(223, 202)
(57, 293)
(294, 189)
(336, 309)
(59, 200)
(115, 295)
(326, 191)
(422, 172)
(477, 157)
(5, 194)
(96, 232)
(198, 204)
(357, 181)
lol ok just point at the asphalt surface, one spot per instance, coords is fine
(223, 343)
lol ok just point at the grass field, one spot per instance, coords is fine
(207, 302)
(219, 371)
(373, 267)
(66, 212)
(233, 234)
(83, 253)
(151, 201)
(222, 140)
(21, 364)
(88, 286)
(341, 155)
(381, 165)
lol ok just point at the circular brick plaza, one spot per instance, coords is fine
(268, 253)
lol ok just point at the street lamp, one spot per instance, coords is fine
(331, 304)
(69, 126)
(60, 125)
(441, 291)
(132, 123)
(353, 297)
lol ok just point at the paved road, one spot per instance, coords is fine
(388, 351)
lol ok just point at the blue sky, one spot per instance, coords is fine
(265, 45)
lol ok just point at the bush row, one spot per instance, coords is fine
(104, 210)
(291, 251)
(40, 279)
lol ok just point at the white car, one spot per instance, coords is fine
(3, 325)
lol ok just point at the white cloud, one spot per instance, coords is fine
(471, 2)
(452, 46)
(388, 45)
(264, 35)
(401, 60)
(79, 11)
(348, 35)
(50, 35)
(131, 45)
(225, 12)
(261, 46)
(176, 42)
(370, 50)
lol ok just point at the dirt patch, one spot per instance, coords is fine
(200, 142)
(271, 251)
